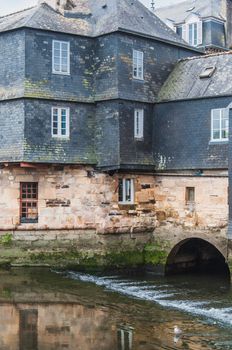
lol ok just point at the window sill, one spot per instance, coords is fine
(61, 138)
(60, 73)
(29, 221)
(139, 139)
(138, 80)
(218, 142)
(126, 206)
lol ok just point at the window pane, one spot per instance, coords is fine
(128, 190)
(64, 46)
(216, 113)
(216, 124)
(195, 34)
(216, 134)
(190, 34)
(224, 134)
(56, 45)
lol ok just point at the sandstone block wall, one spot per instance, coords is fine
(210, 209)
(76, 198)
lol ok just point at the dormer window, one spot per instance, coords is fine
(192, 32)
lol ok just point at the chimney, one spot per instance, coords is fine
(56, 4)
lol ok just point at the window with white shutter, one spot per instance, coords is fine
(138, 124)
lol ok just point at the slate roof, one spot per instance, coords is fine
(185, 83)
(94, 18)
(46, 18)
(204, 8)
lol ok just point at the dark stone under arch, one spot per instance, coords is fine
(195, 255)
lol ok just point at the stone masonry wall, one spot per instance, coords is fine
(210, 210)
(82, 223)
(76, 198)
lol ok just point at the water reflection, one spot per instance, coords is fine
(28, 329)
(43, 311)
(125, 337)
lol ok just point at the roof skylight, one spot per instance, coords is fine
(207, 72)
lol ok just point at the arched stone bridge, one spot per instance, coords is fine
(195, 251)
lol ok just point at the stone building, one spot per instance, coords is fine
(99, 143)
(202, 23)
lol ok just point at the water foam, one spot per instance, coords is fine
(160, 294)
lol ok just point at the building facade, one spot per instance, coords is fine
(105, 135)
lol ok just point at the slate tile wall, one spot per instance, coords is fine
(159, 60)
(12, 62)
(40, 146)
(182, 132)
(40, 82)
(132, 151)
(107, 137)
(11, 130)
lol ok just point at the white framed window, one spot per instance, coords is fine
(138, 123)
(60, 122)
(219, 124)
(137, 64)
(126, 191)
(60, 57)
(192, 32)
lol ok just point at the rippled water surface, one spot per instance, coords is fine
(43, 310)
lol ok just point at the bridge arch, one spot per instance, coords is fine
(196, 255)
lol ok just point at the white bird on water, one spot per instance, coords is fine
(177, 331)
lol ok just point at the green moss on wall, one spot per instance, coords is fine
(58, 257)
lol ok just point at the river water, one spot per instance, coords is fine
(44, 310)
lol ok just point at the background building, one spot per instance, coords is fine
(202, 23)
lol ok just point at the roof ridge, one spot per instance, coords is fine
(43, 4)
(224, 53)
(15, 13)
